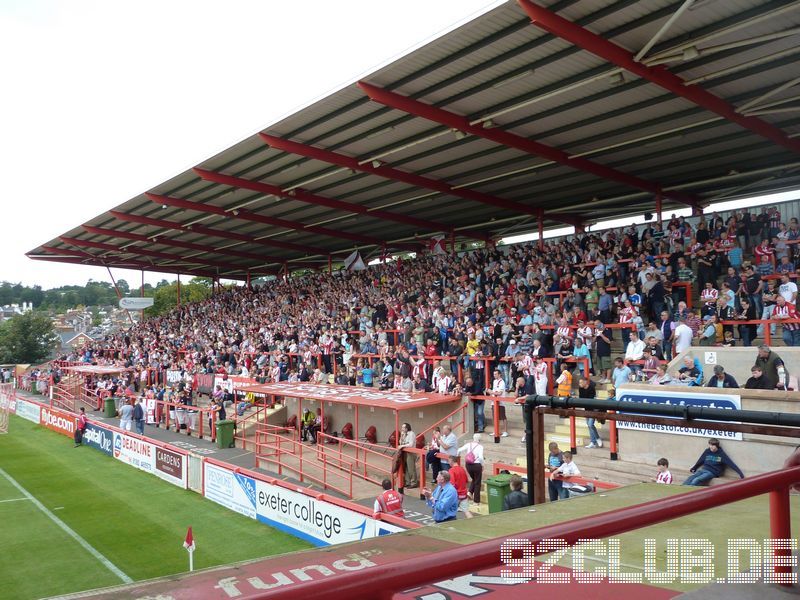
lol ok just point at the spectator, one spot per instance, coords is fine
(711, 464)
(474, 459)
(516, 498)
(660, 377)
(721, 379)
(409, 440)
(458, 478)
(757, 381)
(499, 389)
(586, 389)
(691, 373)
(622, 373)
(772, 367)
(663, 476)
(555, 459)
(567, 470)
(682, 335)
(388, 502)
(443, 499)
(448, 442)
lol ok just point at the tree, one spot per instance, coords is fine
(27, 338)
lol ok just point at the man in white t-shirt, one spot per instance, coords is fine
(788, 289)
(683, 336)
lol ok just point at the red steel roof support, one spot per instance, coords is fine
(141, 252)
(309, 198)
(122, 263)
(229, 235)
(661, 76)
(247, 215)
(449, 119)
(410, 178)
(177, 244)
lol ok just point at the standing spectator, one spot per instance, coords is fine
(443, 500)
(138, 416)
(784, 311)
(499, 389)
(125, 415)
(586, 389)
(622, 373)
(683, 336)
(458, 478)
(448, 442)
(603, 339)
(772, 367)
(409, 440)
(474, 460)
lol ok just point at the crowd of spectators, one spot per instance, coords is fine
(513, 305)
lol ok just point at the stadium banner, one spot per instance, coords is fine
(99, 438)
(171, 467)
(174, 376)
(29, 410)
(687, 398)
(315, 521)
(58, 420)
(231, 490)
(135, 452)
(232, 383)
(150, 410)
(204, 383)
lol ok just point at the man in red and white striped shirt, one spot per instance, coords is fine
(785, 311)
(708, 295)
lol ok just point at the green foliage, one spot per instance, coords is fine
(27, 338)
(166, 295)
(59, 299)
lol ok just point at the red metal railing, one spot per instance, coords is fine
(333, 451)
(186, 415)
(382, 581)
(289, 454)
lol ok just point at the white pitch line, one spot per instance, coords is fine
(68, 530)
(14, 500)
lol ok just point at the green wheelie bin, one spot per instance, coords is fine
(497, 488)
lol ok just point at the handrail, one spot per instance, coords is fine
(463, 422)
(765, 322)
(450, 563)
(303, 474)
(385, 452)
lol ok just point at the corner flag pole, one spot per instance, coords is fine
(189, 545)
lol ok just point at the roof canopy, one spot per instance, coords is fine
(345, 394)
(564, 114)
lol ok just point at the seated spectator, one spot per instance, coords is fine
(691, 373)
(721, 379)
(757, 381)
(711, 464)
(660, 377)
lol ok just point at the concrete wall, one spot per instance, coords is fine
(737, 361)
(754, 453)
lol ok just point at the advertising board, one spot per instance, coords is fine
(58, 420)
(28, 410)
(135, 452)
(231, 490)
(305, 517)
(687, 398)
(171, 466)
(99, 438)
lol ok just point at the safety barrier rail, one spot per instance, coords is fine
(394, 577)
(255, 419)
(288, 454)
(332, 451)
(767, 325)
(183, 414)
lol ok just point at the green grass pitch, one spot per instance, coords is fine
(133, 519)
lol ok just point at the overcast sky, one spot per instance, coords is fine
(103, 100)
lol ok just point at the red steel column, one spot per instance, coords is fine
(179, 289)
(780, 528)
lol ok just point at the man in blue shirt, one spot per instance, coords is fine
(621, 374)
(443, 499)
(367, 373)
